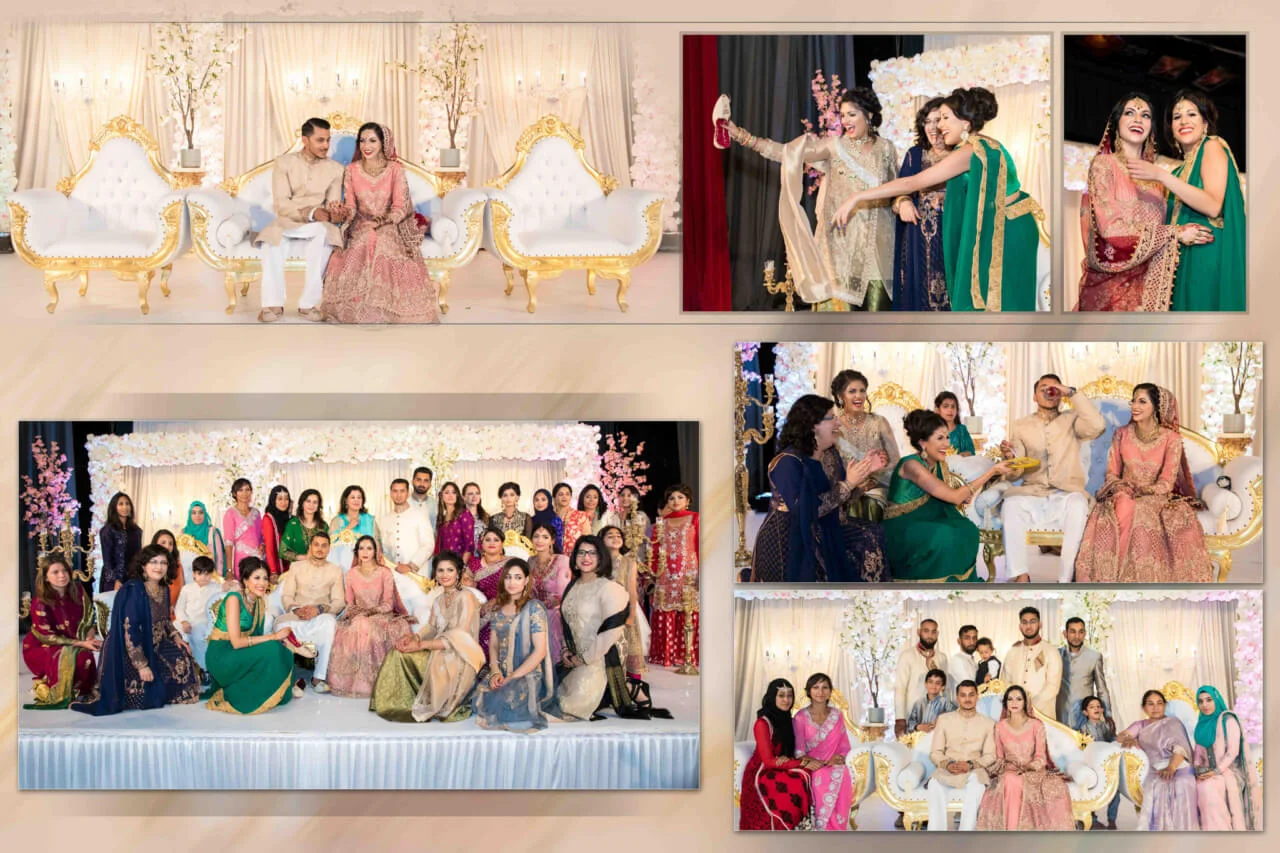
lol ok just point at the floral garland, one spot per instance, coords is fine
(795, 372)
(8, 140)
(899, 81)
(655, 146)
(1216, 383)
(258, 455)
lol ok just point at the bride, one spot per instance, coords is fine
(379, 276)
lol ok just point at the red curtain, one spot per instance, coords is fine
(706, 281)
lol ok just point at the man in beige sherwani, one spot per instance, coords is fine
(306, 191)
(1052, 496)
(964, 751)
(312, 594)
(914, 664)
(1035, 665)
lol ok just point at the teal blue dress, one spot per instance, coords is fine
(961, 441)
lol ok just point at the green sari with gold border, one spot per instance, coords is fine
(1210, 277)
(990, 234)
(251, 680)
(927, 540)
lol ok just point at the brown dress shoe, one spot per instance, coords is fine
(270, 315)
(315, 315)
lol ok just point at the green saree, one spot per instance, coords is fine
(249, 680)
(1210, 277)
(927, 540)
(990, 236)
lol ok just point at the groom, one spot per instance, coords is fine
(306, 191)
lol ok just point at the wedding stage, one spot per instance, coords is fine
(326, 742)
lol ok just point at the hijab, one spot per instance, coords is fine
(545, 516)
(1207, 725)
(279, 516)
(783, 729)
(198, 532)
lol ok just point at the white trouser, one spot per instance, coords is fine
(320, 631)
(939, 794)
(414, 600)
(316, 255)
(198, 639)
(1065, 511)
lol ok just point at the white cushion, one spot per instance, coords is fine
(444, 231)
(911, 777)
(122, 189)
(552, 189)
(1221, 503)
(568, 242)
(1083, 775)
(233, 230)
(104, 244)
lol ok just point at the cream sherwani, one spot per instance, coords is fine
(407, 537)
(1052, 496)
(426, 506)
(908, 680)
(308, 584)
(960, 736)
(1038, 669)
(300, 183)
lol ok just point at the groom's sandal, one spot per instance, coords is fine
(299, 648)
(720, 123)
(315, 315)
(319, 686)
(270, 315)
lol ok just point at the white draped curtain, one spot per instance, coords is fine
(916, 367)
(1150, 644)
(534, 53)
(791, 639)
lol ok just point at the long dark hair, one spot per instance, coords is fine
(113, 516)
(346, 493)
(943, 397)
(806, 413)
(1154, 393)
(603, 557)
(591, 487)
(480, 510)
(551, 531)
(377, 131)
(1111, 131)
(922, 138)
(1026, 703)
(1204, 105)
(605, 530)
(175, 562)
(781, 720)
(865, 99)
(319, 519)
(843, 380)
(442, 512)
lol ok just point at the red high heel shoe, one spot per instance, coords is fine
(720, 122)
(293, 644)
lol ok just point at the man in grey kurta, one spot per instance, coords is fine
(963, 750)
(1082, 676)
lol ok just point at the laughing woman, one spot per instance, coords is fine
(989, 235)
(859, 432)
(252, 671)
(1204, 190)
(852, 267)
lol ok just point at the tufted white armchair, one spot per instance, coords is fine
(858, 761)
(1232, 518)
(224, 218)
(903, 768)
(552, 211)
(121, 213)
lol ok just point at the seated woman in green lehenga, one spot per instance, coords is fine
(1202, 190)
(252, 672)
(990, 234)
(927, 536)
(947, 405)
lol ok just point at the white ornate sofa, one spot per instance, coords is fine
(858, 760)
(903, 767)
(1232, 518)
(552, 211)
(121, 212)
(224, 218)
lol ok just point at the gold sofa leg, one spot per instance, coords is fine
(591, 282)
(531, 285)
(144, 285)
(51, 280)
(624, 284)
(84, 282)
(510, 273)
(229, 281)
(165, 272)
(445, 277)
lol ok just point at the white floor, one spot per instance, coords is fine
(475, 296)
(1246, 566)
(876, 816)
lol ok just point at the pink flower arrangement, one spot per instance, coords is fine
(620, 467)
(827, 97)
(46, 502)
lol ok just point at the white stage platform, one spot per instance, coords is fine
(329, 743)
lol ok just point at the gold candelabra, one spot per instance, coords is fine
(787, 285)
(66, 547)
(689, 606)
(741, 435)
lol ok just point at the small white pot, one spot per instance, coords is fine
(450, 158)
(189, 158)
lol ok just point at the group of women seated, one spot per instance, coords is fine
(798, 777)
(846, 507)
(562, 662)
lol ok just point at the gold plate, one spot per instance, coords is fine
(1024, 463)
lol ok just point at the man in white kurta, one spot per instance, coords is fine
(312, 596)
(962, 666)
(306, 192)
(421, 498)
(1054, 495)
(1035, 665)
(914, 664)
(407, 542)
(963, 750)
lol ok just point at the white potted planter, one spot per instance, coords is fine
(974, 423)
(189, 158)
(1233, 423)
(875, 715)
(450, 158)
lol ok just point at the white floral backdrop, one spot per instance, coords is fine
(1212, 636)
(8, 138)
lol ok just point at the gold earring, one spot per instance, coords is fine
(964, 137)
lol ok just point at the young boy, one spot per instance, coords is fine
(191, 613)
(1095, 725)
(988, 663)
(926, 711)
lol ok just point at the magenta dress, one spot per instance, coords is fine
(488, 577)
(244, 535)
(1166, 804)
(1028, 800)
(457, 535)
(369, 626)
(832, 786)
(548, 587)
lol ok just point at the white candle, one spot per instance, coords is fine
(769, 267)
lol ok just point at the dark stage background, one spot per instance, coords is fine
(1100, 70)
(769, 80)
